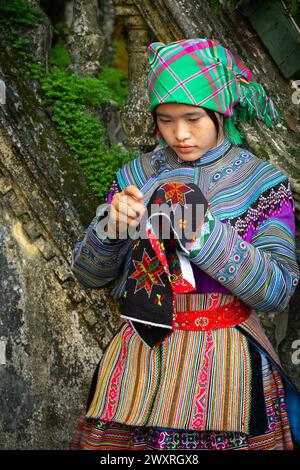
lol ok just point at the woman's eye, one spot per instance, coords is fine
(168, 120)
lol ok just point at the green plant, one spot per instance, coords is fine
(293, 7)
(67, 96)
(17, 17)
(116, 81)
(60, 56)
(19, 13)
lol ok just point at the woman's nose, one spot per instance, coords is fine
(181, 131)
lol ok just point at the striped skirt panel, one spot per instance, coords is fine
(197, 380)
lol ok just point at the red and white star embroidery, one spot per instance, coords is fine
(147, 273)
(175, 192)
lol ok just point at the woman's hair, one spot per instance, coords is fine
(213, 117)
(211, 114)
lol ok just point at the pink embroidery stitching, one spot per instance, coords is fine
(114, 383)
(267, 206)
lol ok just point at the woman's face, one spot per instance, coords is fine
(188, 126)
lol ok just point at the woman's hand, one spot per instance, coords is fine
(127, 209)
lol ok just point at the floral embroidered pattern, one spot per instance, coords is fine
(175, 192)
(147, 273)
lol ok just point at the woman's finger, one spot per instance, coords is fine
(134, 192)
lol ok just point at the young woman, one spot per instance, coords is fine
(190, 366)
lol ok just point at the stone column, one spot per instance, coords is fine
(136, 120)
(86, 40)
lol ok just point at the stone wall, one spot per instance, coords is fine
(52, 330)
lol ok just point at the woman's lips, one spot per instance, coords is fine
(184, 149)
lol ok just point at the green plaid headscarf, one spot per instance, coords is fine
(201, 72)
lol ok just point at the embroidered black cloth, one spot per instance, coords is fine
(174, 214)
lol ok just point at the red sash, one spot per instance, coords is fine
(221, 317)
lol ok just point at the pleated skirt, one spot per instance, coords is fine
(118, 417)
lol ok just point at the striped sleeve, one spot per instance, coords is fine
(96, 261)
(263, 273)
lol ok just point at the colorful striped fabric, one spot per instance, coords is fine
(255, 203)
(252, 192)
(185, 302)
(96, 262)
(170, 387)
(273, 433)
(254, 259)
(201, 72)
(263, 278)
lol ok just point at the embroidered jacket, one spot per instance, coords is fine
(246, 247)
